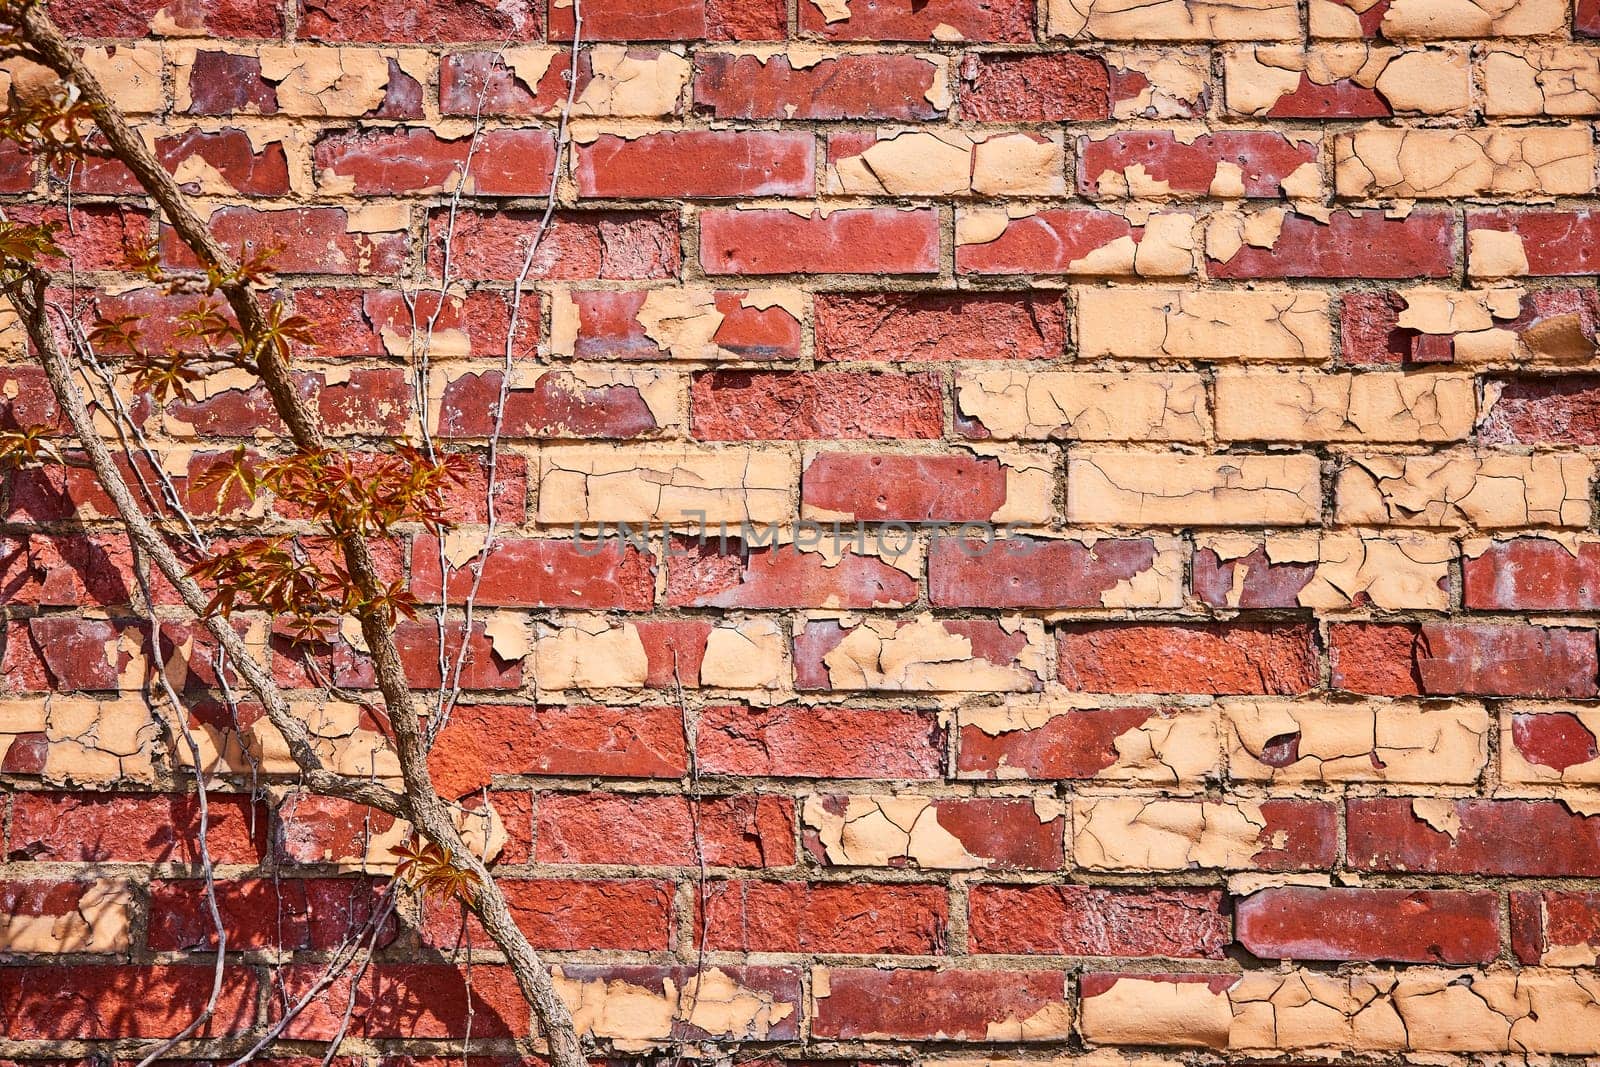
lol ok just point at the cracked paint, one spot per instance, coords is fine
(1203, 325)
(1489, 491)
(1293, 743)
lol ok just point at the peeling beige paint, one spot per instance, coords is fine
(884, 830)
(1432, 81)
(1150, 1011)
(923, 656)
(1143, 488)
(635, 1017)
(586, 652)
(1084, 406)
(1139, 833)
(1174, 82)
(1490, 491)
(1557, 80)
(669, 485)
(1174, 20)
(1356, 743)
(99, 923)
(1454, 163)
(1203, 325)
(1259, 405)
(746, 654)
(1492, 254)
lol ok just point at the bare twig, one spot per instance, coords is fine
(420, 803)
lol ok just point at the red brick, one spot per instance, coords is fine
(1586, 18)
(308, 240)
(1264, 159)
(673, 649)
(746, 20)
(225, 83)
(1129, 86)
(1368, 245)
(609, 327)
(41, 898)
(626, 20)
(1491, 659)
(1298, 835)
(1528, 411)
(1374, 658)
(1031, 572)
(89, 1003)
(737, 831)
(1075, 744)
(230, 152)
(482, 740)
(527, 572)
(410, 1000)
(875, 240)
(1340, 99)
(66, 653)
(1008, 834)
(1061, 87)
(134, 828)
(1533, 574)
(1078, 920)
(98, 237)
(1046, 242)
(378, 322)
(940, 327)
(905, 488)
(630, 742)
(1526, 838)
(399, 161)
(1527, 926)
(364, 401)
(975, 20)
(160, 314)
(418, 645)
(1220, 658)
(1265, 584)
(1555, 739)
(749, 916)
(580, 244)
(868, 1002)
(1369, 330)
(1564, 923)
(66, 570)
(989, 641)
(789, 741)
(741, 405)
(474, 83)
(1555, 242)
(316, 829)
(557, 404)
(448, 21)
(872, 86)
(1393, 925)
(135, 18)
(26, 399)
(711, 575)
(16, 169)
(569, 914)
(697, 163)
(262, 913)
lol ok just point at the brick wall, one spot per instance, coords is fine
(1266, 330)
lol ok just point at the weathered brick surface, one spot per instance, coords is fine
(1110, 563)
